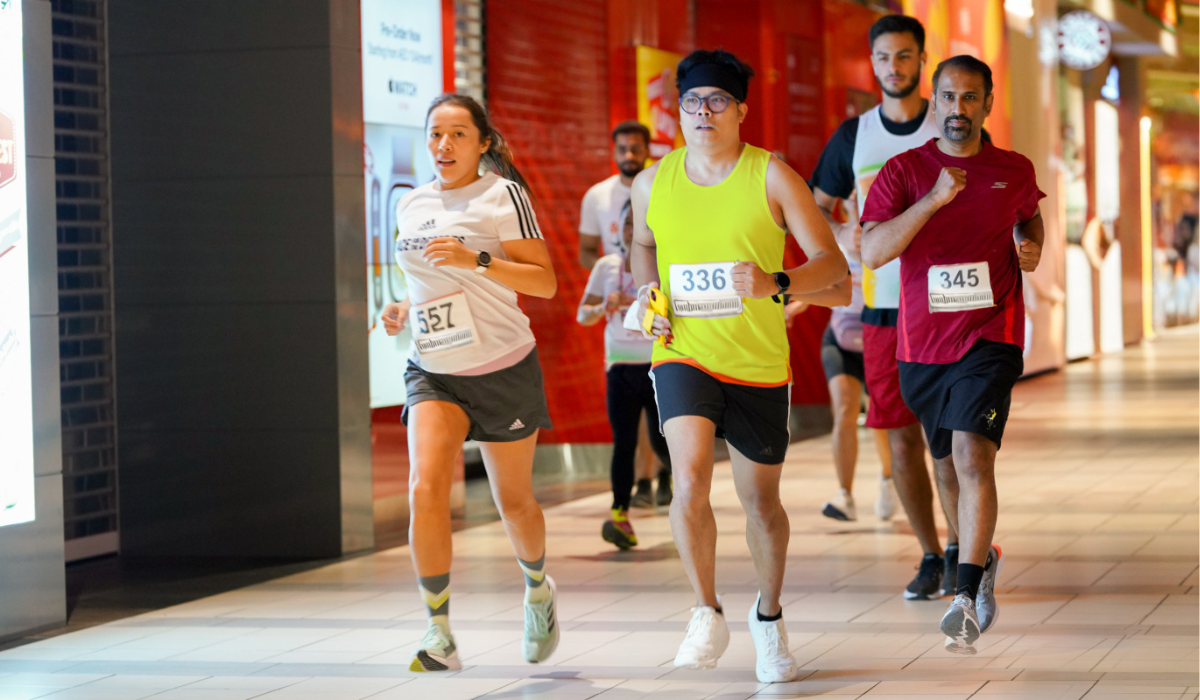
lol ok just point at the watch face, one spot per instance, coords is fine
(782, 280)
(485, 258)
(1084, 40)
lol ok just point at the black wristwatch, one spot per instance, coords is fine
(483, 260)
(783, 282)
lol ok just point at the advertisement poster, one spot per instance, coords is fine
(402, 60)
(657, 99)
(16, 378)
(402, 74)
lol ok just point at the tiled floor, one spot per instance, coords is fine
(1099, 520)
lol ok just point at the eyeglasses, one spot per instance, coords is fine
(717, 103)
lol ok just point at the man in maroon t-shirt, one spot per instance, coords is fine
(962, 216)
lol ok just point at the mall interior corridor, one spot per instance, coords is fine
(1098, 487)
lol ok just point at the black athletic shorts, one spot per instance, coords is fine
(837, 360)
(972, 395)
(504, 406)
(752, 419)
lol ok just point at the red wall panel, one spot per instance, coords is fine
(547, 80)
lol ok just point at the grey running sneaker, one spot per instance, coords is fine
(841, 507)
(885, 503)
(950, 578)
(437, 652)
(541, 626)
(927, 583)
(643, 497)
(707, 638)
(960, 626)
(985, 603)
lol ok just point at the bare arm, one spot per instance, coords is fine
(837, 294)
(528, 269)
(790, 197)
(644, 255)
(849, 234)
(589, 250)
(1030, 235)
(591, 310)
(884, 241)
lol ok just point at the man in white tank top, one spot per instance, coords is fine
(849, 164)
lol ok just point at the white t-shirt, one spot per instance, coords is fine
(621, 345)
(481, 216)
(601, 213)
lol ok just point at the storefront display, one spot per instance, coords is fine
(16, 381)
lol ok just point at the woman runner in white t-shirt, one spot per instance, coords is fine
(468, 244)
(609, 292)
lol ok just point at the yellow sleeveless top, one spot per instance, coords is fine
(727, 222)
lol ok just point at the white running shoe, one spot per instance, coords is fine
(841, 507)
(541, 626)
(707, 638)
(436, 653)
(985, 603)
(961, 626)
(885, 504)
(774, 663)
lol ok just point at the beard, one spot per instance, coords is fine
(630, 168)
(956, 133)
(904, 90)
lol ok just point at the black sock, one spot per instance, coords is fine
(769, 618)
(643, 486)
(969, 578)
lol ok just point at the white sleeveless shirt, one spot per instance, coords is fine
(874, 146)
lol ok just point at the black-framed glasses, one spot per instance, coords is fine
(717, 103)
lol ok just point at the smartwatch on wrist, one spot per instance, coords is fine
(483, 260)
(783, 282)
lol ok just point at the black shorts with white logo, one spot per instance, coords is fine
(972, 395)
(752, 419)
(504, 406)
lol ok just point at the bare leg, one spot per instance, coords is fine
(845, 394)
(690, 440)
(975, 467)
(912, 484)
(884, 450)
(436, 432)
(767, 529)
(510, 474)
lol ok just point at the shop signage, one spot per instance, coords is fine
(1084, 40)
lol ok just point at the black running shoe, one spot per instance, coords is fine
(950, 578)
(928, 581)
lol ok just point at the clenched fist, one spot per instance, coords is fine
(1029, 254)
(950, 182)
(395, 316)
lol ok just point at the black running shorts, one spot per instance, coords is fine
(837, 360)
(504, 406)
(972, 395)
(752, 419)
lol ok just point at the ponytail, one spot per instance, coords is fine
(499, 156)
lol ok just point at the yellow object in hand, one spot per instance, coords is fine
(657, 306)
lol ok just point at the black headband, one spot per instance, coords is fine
(714, 75)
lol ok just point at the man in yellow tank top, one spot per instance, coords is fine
(710, 222)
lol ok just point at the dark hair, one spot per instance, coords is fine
(630, 126)
(499, 156)
(967, 63)
(898, 24)
(741, 70)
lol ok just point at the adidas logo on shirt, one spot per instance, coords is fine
(517, 425)
(428, 225)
